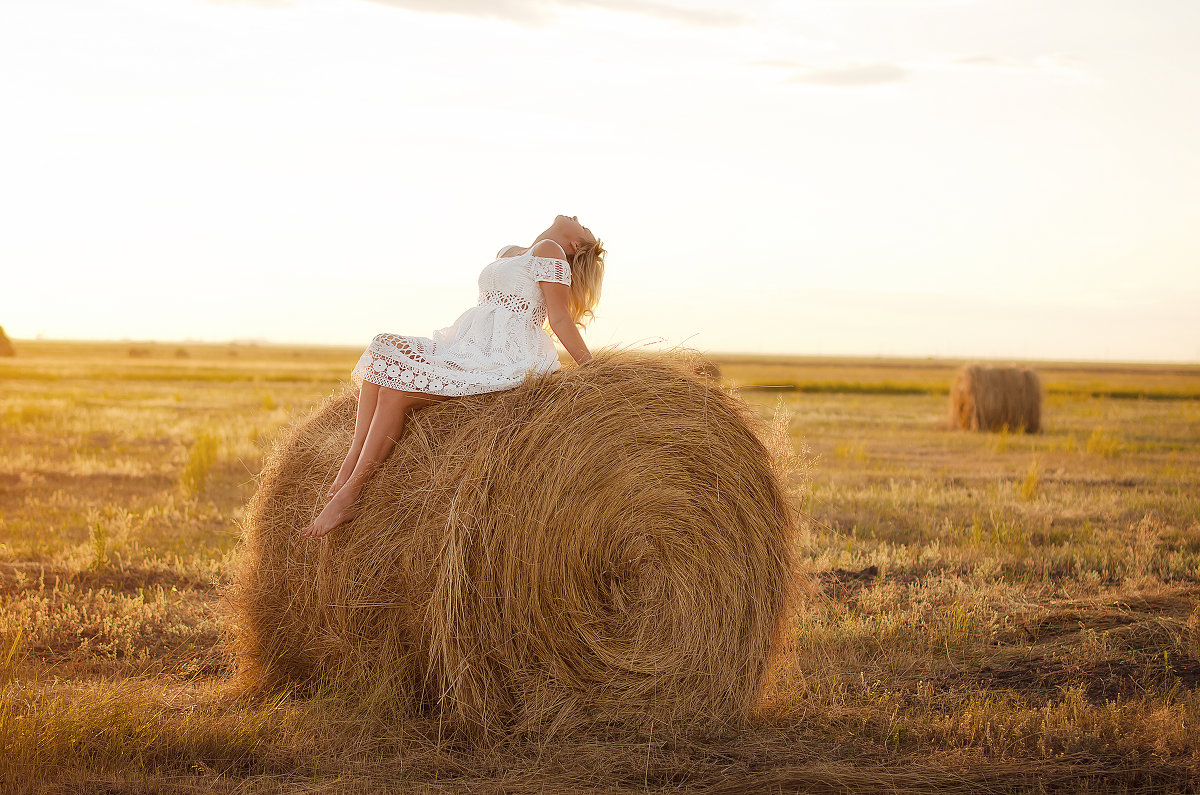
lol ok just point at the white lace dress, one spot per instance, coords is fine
(491, 347)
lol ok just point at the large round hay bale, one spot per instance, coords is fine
(610, 544)
(6, 346)
(989, 398)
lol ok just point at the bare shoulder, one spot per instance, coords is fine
(548, 248)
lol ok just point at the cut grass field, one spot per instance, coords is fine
(1000, 612)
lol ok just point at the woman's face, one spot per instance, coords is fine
(576, 233)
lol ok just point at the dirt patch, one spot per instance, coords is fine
(843, 583)
(16, 578)
(1107, 680)
(1144, 642)
(100, 487)
(1101, 615)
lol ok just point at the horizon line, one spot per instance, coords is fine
(728, 353)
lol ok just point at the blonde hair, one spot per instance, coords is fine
(587, 274)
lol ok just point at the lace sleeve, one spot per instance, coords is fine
(550, 269)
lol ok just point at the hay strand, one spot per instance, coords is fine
(609, 544)
(708, 369)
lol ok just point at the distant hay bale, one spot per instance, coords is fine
(182, 353)
(6, 346)
(139, 353)
(607, 545)
(986, 398)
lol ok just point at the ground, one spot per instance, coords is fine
(995, 611)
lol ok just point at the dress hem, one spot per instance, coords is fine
(363, 373)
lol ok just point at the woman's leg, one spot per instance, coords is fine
(391, 410)
(368, 396)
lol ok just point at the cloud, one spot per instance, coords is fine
(685, 16)
(1060, 64)
(254, 3)
(522, 11)
(850, 75)
(777, 62)
(853, 75)
(534, 12)
(979, 60)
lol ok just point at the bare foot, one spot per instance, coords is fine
(339, 510)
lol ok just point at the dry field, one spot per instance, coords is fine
(999, 612)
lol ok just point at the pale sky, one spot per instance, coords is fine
(1000, 178)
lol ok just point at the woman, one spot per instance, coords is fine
(491, 347)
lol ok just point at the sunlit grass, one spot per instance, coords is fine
(1104, 443)
(200, 460)
(994, 605)
(1029, 486)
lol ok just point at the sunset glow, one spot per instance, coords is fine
(960, 178)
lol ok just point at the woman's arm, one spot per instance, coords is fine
(561, 323)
